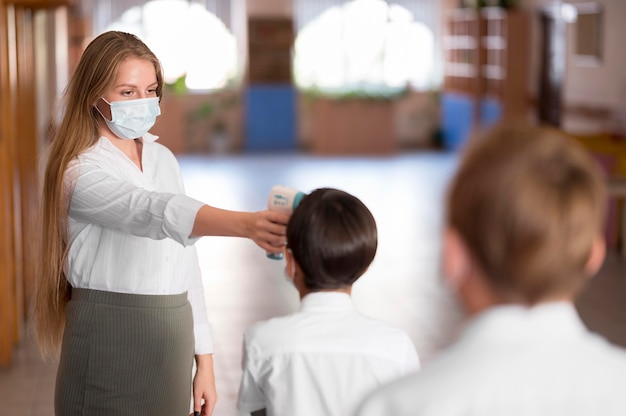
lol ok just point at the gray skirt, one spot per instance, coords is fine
(125, 354)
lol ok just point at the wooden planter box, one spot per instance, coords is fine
(183, 133)
(352, 127)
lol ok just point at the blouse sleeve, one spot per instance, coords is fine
(99, 198)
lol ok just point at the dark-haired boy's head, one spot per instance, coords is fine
(333, 238)
(528, 204)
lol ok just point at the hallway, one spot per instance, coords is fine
(403, 286)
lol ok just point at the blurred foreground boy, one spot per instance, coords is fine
(323, 359)
(524, 233)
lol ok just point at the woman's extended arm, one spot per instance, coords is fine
(265, 228)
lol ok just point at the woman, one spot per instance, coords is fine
(120, 287)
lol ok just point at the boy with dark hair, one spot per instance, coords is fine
(323, 359)
(524, 233)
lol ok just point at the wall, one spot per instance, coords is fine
(592, 96)
(602, 88)
(606, 83)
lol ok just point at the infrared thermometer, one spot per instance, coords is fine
(283, 199)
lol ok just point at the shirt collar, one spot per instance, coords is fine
(149, 138)
(326, 301)
(146, 138)
(514, 323)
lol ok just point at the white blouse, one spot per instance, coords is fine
(129, 231)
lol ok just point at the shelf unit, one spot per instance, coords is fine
(486, 63)
(461, 51)
(270, 40)
(505, 59)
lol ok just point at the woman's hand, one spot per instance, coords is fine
(268, 230)
(204, 392)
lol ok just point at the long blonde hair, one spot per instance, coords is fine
(95, 74)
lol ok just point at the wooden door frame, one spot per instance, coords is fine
(18, 168)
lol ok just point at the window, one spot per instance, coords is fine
(368, 47)
(190, 42)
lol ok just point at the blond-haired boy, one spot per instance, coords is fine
(524, 233)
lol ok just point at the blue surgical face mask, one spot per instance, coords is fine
(131, 119)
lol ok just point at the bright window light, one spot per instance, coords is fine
(189, 41)
(369, 46)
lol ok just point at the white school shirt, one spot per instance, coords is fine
(515, 361)
(129, 230)
(321, 360)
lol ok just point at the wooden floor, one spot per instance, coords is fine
(403, 286)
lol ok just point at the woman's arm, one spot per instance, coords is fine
(204, 392)
(265, 228)
(99, 198)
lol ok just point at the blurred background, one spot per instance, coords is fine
(378, 97)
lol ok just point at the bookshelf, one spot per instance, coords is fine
(486, 66)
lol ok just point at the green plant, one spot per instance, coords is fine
(361, 92)
(215, 106)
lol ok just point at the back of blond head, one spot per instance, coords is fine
(528, 202)
(78, 130)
